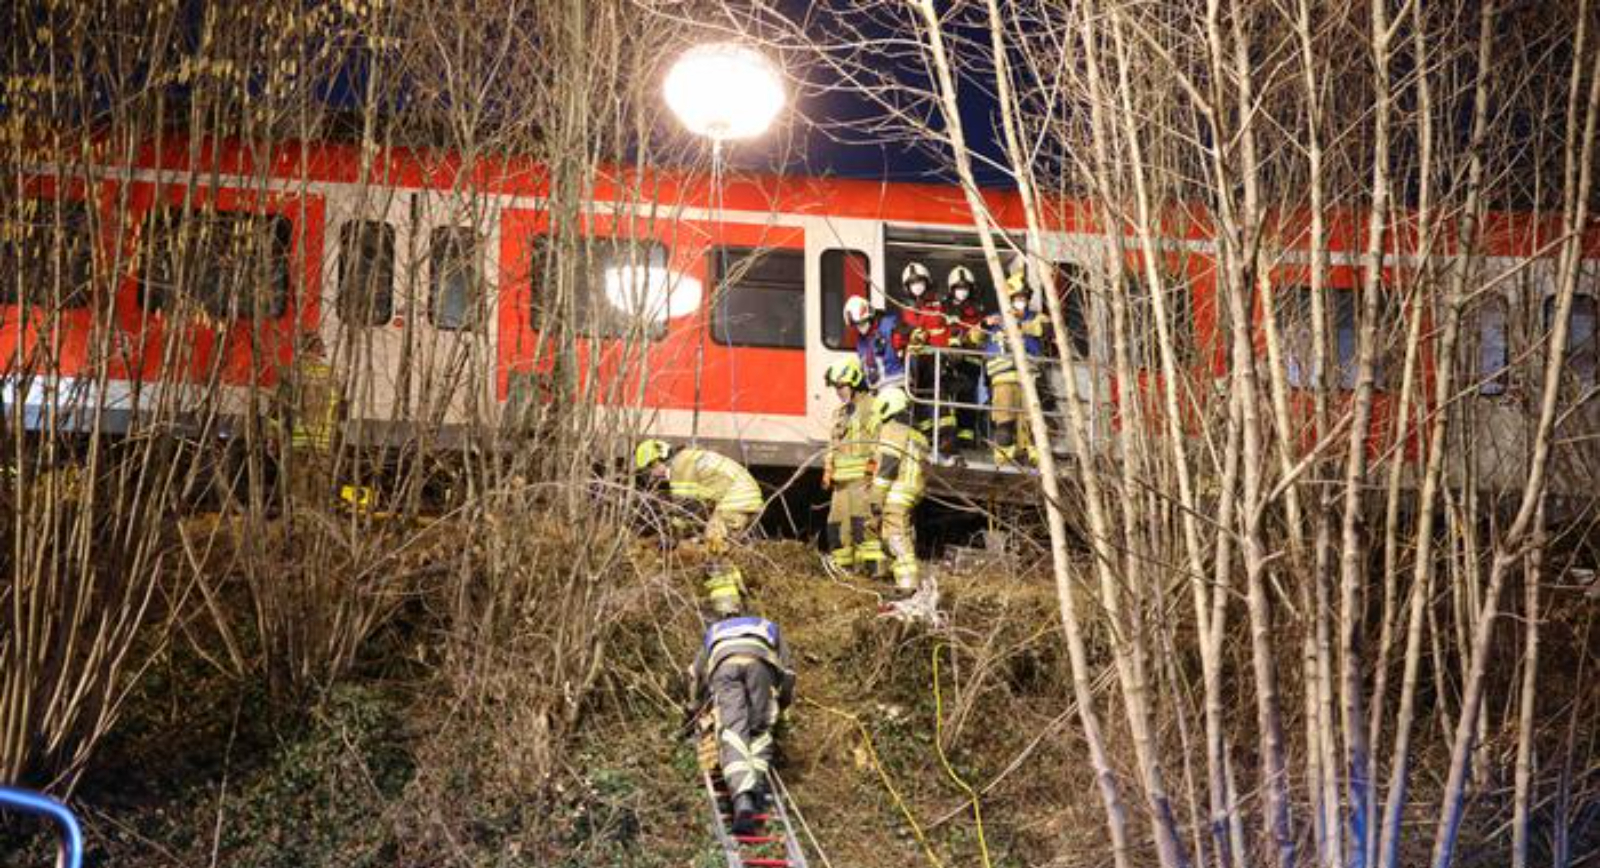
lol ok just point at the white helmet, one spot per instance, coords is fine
(914, 272)
(959, 276)
(857, 310)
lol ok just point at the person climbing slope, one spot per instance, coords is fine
(742, 678)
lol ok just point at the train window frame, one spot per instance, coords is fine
(722, 259)
(835, 269)
(1346, 319)
(589, 320)
(351, 306)
(1584, 350)
(16, 260)
(1073, 285)
(161, 219)
(444, 241)
(1493, 356)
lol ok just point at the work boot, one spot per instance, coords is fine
(744, 814)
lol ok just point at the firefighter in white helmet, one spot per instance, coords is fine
(880, 344)
(927, 334)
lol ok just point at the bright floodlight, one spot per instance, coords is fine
(652, 292)
(724, 91)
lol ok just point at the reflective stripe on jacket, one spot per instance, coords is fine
(901, 450)
(743, 636)
(1000, 366)
(699, 474)
(851, 447)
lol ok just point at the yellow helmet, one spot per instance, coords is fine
(890, 403)
(1017, 283)
(845, 372)
(649, 452)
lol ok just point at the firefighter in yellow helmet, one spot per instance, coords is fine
(897, 483)
(847, 472)
(1013, 438)
(720, 488)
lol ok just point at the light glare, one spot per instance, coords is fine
(724, 91)
(651, 292)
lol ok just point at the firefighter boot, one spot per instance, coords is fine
(744, 814)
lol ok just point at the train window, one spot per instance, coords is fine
(624, 288)
(1295, 317)
(229, 264)
(1494, 354)
(366, 273)
(846, 274)
(760, 298)
(47, 254)
(1583, 345)
(1072, 286)
(453, 302)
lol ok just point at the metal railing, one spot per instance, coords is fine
(69, 837)
(1049, 370)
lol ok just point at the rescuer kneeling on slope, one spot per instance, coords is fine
(897, 484)
(718, 487)
(743, 676)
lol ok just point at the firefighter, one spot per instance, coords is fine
(311, 405)
(1013, 438)
(724, 491)
(847, 472)
(880, 344)
(741, 680)
(897, 484)
(927, 332)
(965, 318)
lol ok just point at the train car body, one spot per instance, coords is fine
(431, 272)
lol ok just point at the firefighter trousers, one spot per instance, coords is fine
(744, 693)
(899, 540)
(852, 540)
(1013, 437)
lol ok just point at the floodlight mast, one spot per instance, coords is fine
(723, 91)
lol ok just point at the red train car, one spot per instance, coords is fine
(433, 272)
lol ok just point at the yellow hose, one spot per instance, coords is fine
(938, 745)
(877, 764)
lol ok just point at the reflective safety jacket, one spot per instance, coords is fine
(926, 315)
(748, 637)
(315, 411)
(882, 352)
(901, 451)
(1000, 366)
(713, 479)
(852, 445)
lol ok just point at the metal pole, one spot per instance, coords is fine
(938, 395)
(711, 294)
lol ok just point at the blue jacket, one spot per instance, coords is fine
(882, 360)
(743, 636)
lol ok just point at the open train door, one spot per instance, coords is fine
(844, 258)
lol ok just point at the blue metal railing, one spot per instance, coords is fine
(69, 835)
